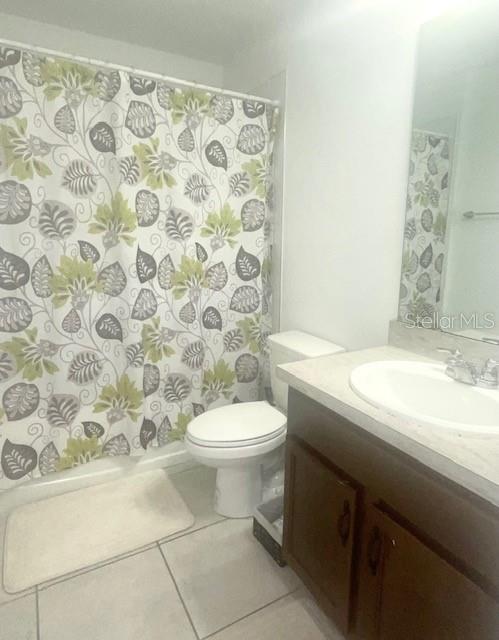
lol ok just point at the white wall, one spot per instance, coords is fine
(349, 86)
(79, 43)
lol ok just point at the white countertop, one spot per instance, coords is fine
(470, 461)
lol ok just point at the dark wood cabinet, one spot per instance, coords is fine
(320, 521)
(390, 549)
(408, 591)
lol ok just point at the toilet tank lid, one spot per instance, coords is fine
(304, 344)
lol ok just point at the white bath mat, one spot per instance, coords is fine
(49, 538)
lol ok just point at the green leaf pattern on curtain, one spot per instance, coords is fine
(425, 227)
(134, 260)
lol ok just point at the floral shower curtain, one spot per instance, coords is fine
(425, 226)
(134, 260)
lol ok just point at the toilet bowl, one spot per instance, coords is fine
(239, 439)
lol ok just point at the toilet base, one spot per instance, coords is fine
(238, 490)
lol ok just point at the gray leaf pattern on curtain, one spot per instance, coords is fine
(425, 226)
(134, 260)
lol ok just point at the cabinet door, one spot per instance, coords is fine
(409, 592)
(320, 510)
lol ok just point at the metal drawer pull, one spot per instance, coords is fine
(344, 523)
(374, 550)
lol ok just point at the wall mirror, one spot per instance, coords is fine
(450, 268)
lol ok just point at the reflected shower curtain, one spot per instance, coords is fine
(425, 226)
(134, 260)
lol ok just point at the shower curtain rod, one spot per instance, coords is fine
(475, 214)
(147, 74)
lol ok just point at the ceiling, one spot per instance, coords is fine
(211, 30)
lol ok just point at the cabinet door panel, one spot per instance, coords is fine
(409, 592)
(319, 528)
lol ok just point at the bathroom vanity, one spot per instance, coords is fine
(393, 527)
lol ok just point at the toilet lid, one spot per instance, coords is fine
(237, 425)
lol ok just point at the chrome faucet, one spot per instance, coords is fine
(458, 368)
(466, 372)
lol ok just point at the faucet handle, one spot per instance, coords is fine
(489, 376)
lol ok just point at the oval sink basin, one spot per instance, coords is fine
(421, 391)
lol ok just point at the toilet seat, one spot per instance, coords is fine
(237, 425)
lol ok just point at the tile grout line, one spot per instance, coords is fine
(105, 563)
(37, 604)
(251, 613)
(93, 567)
(189, 533)
(178, 591)
(14, 598)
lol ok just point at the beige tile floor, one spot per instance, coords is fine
(213, 581)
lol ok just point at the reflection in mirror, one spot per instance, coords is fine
(450, 269)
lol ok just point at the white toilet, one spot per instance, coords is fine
(237, 439)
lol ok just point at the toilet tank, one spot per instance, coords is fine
(291, 346)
